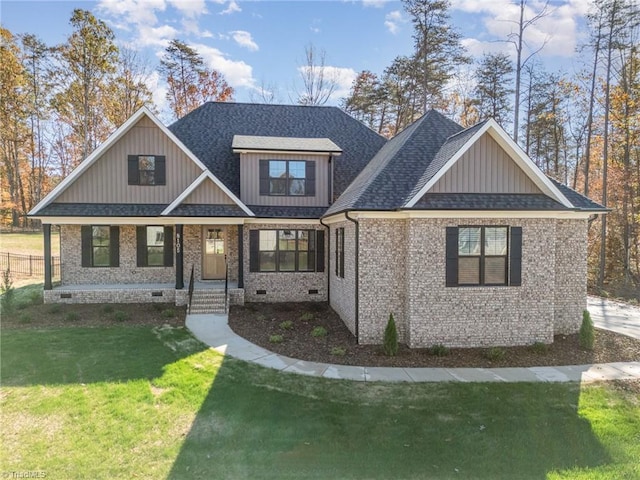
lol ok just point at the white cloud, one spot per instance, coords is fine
(557, 31)
(192, 27)
(392, 21)
(245, 40)
(133, 11)
(236, 72)
(155, 36)
(374, 3)
(189, 8)
(232, 8)
(315, 29)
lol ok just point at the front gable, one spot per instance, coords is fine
(491, 163)
(485, 168)
(108, 179)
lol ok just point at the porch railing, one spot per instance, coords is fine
(226, 285)
(191, 285)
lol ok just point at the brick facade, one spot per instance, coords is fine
(402, 271)
(343, 290)
(283, 286)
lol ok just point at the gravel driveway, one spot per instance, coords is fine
(618, 317)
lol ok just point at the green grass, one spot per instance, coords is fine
(29, 243)
(109, 402)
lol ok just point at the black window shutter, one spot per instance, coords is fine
(160, 174)
(341, 252)
(452, 257)
(254, 250)
(114, 246)
(515, 257)
(86, 234)
(134, 171)
(168, 246)
(264, 177)
(319, 250)
(337, 244)
(141, 243)
(310, 175)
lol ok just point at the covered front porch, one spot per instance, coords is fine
(204, 257)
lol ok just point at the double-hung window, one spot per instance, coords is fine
(146, 170)
(286, 250)
(483, 255)
(293, 178)
(154, 246)
(100, 246)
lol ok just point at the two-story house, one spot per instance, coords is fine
(453, 230)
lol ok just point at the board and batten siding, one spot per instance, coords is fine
(485, 168)
(250, 181)
(208, 193)
(106, 181)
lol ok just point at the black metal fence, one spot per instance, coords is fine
(28, 265)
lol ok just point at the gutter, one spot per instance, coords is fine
(357, 253)
(328, 261)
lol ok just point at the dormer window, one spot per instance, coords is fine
(292, 178)
(147, 170)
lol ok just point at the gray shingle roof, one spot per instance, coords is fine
(199, 210)
(486, 201)
(399, 165)
(578, 200)
(101, 210)
(269, 211)
(208, 132)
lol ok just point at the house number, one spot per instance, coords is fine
(178, 243)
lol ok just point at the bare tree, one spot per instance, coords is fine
(318, 81)
(517, 39)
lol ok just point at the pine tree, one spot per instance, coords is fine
(493, 87)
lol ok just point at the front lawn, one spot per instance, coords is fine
(140, 401)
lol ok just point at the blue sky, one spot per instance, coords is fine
(261, 43)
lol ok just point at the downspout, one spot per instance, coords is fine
(328, 261)
(357, 254)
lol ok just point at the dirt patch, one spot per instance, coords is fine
(93, 315)
(296, 323)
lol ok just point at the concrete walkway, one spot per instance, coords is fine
(214, 330)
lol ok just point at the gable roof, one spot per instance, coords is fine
(403, 171)
(394, 171)
(208, 132)
(113, 138)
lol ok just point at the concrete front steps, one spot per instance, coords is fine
(208, 301)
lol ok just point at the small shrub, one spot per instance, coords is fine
(286, 325)
(276, 338)
(338, 351)
(107, 308)
(120, 316)
(439, 350)
(319, 332)
(72, 317)
(55, 308)
(307, 317)
(587, 334)
(36, 298)
(260, 317)
(25, 318)
(169, 313)
(7, 290)
(390, 344)
(540, 348)
(495, 354)
(21, 305)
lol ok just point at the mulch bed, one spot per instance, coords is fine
(259, 322)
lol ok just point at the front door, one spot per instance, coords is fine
(214, 253)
